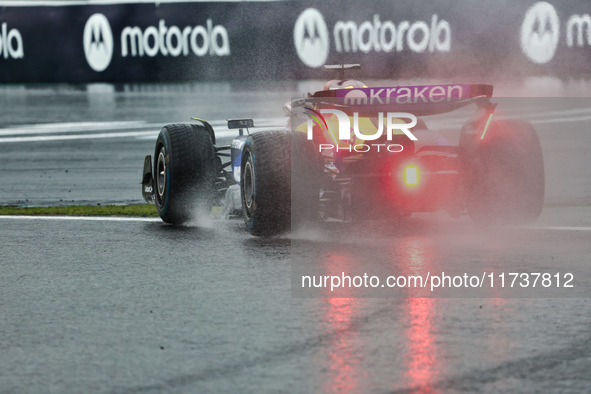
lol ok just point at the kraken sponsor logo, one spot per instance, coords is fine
(404, 95)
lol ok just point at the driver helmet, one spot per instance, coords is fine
(343, 84)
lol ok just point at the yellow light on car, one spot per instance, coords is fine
(486, 126)
(411, 176)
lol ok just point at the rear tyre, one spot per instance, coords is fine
(265, 183)
(184, 172)
(505, 170)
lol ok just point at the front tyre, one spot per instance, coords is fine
(184, 172)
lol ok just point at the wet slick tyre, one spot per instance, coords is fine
(265, 183)
(184, 172)
(506, 183)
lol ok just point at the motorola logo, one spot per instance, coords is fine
(98, 42)
(312, 38)
(310, 35)
(540, 32)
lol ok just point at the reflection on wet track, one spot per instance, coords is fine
(422, 358)
(343, 365)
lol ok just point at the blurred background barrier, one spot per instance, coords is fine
(110, 41)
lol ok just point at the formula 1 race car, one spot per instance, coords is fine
(352, 153)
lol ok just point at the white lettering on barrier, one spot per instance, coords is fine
(312, 41)
(173, 41)
(378, 36)
(11, 43)
(579, 27)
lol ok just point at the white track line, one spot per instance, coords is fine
(560, 120)
(46, 128)
(79, 136)
(558, 228)
(132, 219)
(150, 130)
(82, 218)
(516, 114)
(138, 134)
(62, 3)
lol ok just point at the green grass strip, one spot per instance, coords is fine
(140, 210)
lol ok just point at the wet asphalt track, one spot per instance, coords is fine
(138, 306)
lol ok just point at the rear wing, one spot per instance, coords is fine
(420, 100)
